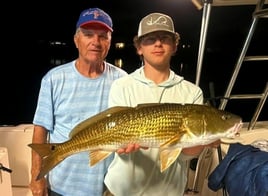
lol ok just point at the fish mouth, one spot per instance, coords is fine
(234, 130)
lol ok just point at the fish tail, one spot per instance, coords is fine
(49, 157)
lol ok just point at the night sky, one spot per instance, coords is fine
(28, 30)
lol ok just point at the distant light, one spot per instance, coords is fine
(57, 61)
(186, 46)
(57, 43)
(118, 62)
(119, 45)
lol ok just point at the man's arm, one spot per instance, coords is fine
(38, 187)
(192, 151)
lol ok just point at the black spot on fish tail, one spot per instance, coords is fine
(43, 149)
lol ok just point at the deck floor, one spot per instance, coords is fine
(261, 126)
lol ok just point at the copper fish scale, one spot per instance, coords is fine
(151, 126)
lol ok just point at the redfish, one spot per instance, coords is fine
(167, 126)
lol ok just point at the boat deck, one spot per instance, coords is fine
(16, 138)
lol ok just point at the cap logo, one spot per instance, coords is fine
(96, 13)
(161, 20)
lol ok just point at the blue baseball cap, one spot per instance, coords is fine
(95, 16)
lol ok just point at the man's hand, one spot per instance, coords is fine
(130, 148)
(196, 150)
(214, 144)
(38, 188)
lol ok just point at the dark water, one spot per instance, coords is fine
(30, 53)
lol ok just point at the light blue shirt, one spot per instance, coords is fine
(65, 99)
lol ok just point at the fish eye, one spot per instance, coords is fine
(225, 117)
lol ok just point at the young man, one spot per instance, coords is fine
(69, 94)
(137, 173)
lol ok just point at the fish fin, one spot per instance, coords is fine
(97, 156)
(49, 160)
(141, 105)
(42, 149)
(167, 157)
(169, 153)
(107, 113)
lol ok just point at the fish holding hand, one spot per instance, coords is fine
(167, 126)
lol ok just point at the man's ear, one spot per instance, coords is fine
(175, 48)
(139, 52)
(75, 40)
